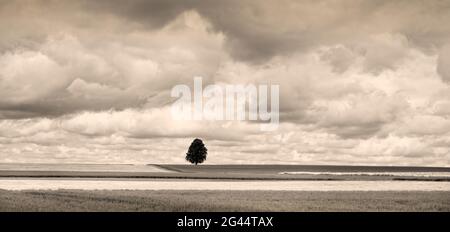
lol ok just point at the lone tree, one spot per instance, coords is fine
(197, 152)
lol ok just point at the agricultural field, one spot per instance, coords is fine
(84, 187)
(175, 201)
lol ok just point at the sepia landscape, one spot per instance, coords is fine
(228, 105)
(75, 187)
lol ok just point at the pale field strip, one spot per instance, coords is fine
(97, 184)
(402, 174)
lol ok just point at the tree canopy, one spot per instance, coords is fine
(197, 152)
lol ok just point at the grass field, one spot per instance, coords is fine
(132, 200)
(216, 172)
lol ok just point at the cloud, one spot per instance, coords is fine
(104, 75)
(257, 31)
(339, 57)
(360, 115)
(361, 82)
(26, 127)
(23, 73)
(425, 125)
(394, 146)
(443, 64)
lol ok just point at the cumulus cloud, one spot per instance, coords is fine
(361, 82)
(443, 65)
(109, 74)
(23, 73)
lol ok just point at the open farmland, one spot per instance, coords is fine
(85, 187)
(135, 200)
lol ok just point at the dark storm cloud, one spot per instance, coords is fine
(154, 13)
(258, 30)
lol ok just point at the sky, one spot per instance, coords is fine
(361, 82)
